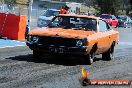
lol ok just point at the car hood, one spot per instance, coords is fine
(45, 18)
(67, 33)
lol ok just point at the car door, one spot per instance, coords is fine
(103, 37)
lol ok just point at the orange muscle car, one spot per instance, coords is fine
(72, 34)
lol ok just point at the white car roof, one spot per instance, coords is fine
(54, 9)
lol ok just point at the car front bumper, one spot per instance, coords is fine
(58, 49)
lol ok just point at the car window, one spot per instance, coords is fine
(103, 26)
(49, 13)
(124, 18)
(120, 17)
(105, 16)
(77, 23)
(129, 19)
(113, 17)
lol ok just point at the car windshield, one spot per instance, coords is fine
(77, 23)
(122, 18)
(49, 13)
(105, 16)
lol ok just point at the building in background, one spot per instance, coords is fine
(42, 5)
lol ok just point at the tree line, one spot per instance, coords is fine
(15, 1)
(107, 6)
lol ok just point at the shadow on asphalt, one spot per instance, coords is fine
(57, 60)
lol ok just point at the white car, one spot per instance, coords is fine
(44, 19)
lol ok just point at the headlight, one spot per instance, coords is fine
(35, 39)
(79, 43)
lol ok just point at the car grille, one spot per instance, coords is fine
(57, 41)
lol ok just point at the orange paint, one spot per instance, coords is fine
(103, 40)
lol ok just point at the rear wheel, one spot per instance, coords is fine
(37, 55)
(109, 54)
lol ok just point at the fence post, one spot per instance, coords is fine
(29, 14)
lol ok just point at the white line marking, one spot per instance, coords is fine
(11, 46)
(17, 41)
(125, 43)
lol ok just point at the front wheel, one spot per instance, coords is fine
(89, 58)
(109, 54)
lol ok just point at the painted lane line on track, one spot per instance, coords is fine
(125, 43)
(12, 46)
(18, 41)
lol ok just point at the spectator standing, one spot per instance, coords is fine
(64, 10)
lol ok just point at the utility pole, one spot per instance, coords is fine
(29, 14)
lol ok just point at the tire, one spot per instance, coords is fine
(36, 55)
(109, 54)
(89, 58)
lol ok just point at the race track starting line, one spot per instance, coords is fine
(11, 43)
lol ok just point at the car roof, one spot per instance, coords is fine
(121, 16)
(83, 16)
(54, 9)
(107, 14)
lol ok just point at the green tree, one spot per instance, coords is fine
(127, 6)
(8, 1)
(15, 1)
(109, 6)
(12, 3)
